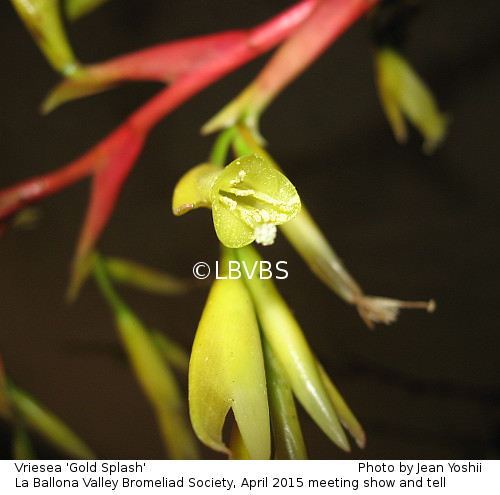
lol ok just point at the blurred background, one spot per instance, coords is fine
(407, 225)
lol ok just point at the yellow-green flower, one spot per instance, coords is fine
(249, 198)
(404, 94)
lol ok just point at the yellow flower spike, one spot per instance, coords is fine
(249, 198)
(43, 20)
(404, 94)
(226, 371)
(194, 188)
(292, 351)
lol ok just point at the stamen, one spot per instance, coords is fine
(265, 233)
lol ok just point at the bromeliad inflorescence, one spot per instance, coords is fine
(250, 354)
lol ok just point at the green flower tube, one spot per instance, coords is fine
(287, 434)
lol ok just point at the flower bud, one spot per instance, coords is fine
(404, 94)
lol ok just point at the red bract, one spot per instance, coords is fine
(112, 166)
(326, 22)
(169, 61)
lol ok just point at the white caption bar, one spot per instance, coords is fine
(248, 477)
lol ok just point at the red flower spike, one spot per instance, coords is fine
(169, 61)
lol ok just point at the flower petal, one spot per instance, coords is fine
(227, 371)
(249, 198)
(194, 187)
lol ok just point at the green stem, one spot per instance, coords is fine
(104, 283)
(218, 156)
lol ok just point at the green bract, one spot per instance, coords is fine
(249, 198)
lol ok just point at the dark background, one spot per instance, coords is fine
(407, 226)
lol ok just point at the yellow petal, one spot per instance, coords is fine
(249, 198)
(194, 188)
(227, 371)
